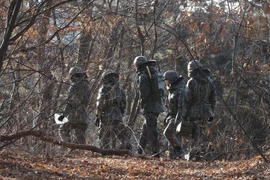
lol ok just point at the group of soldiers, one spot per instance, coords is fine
(193, 101)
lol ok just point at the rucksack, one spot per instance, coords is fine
(201, 91)
(157, 82)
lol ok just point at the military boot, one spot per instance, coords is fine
(127, 146)
(139, 150)
(178, 152)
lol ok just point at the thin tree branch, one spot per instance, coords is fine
(45, 138)
(12, 16)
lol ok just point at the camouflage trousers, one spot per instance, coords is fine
(149, 132)
(65, 132)
(110, 132)
(199, 135)
(169, 133)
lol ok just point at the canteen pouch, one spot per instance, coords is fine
(184, 128)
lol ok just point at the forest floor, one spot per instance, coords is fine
(88, 165)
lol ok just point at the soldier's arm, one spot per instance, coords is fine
(212, 96)
(69, 101)
(145, 87)
(123, 101)
(180, 104)
(190, 92)
(85, 90)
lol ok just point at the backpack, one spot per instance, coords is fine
(157, 82)
(201, 91)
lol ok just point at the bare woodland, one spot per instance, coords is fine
(42, 40)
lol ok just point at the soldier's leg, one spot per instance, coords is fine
(197, 135)
(64, 132)
(80, 130)
(120, 132)
(143, 138)
(170, 134)
(104, 135)
(174, 141)
(202, 139)
(151, 121)
(113, 138)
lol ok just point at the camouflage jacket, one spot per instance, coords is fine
(77, 101)
(201, 96)
(177, 93)
(150, 102)
(111, 102)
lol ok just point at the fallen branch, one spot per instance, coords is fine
(45, 138)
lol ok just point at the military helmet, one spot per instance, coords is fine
(139, 60)
(76, 70)
(109, 72)
(195, 64)
(170, 75)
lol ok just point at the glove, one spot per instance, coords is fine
(60, 118)
(210, 119)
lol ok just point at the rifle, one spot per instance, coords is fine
(149, 73)
(98, 118)
(154, 82)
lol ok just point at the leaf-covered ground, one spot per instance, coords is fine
(85, 165)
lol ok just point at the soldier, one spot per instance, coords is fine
(111, 104)
(199, 103)
(151, 103)
(76, 106)
(177, 88)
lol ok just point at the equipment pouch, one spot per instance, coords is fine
(184, 128)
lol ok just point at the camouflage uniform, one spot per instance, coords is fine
(111, 103)
(200, 101)
(177, 89)
(151, 104)
(76, 107)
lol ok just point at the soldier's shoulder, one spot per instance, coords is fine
(83, 83)
(191, 81)
(182, 86)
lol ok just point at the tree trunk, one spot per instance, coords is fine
(10, 25)
(85, 42)
(47, 82)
